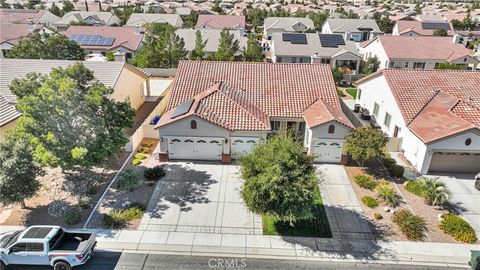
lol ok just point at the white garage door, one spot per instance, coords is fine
(328, 150)
(197, 148)
(243, 145)
(455, 162)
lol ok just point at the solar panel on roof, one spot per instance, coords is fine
(92, 40)
(435, 25)
(295, 38)
(332, 41)
(183, 108)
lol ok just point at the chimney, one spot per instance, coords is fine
(348, 35)
(31, 27)
(119, 56)
(138, 29)
(456, 39)
(315, 59)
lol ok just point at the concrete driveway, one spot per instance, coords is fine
(464, 197)
(200, 198)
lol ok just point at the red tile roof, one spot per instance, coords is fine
(422, 47)
(320, 113)
(20, 16)
(252, 92)
(435, 103)
(12, 33)
(221, 21)
(416, 26)
(124, 36)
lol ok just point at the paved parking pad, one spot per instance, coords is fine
(203, 198)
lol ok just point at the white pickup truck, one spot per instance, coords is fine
(46, 245)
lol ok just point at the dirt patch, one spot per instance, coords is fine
(142, 192)
(385, 228)
(60, 190)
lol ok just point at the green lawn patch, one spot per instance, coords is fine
(352, 92)
(316, 227)
(415, 187)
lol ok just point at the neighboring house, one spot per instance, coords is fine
(416, 28)
(88, 18)
(357, 30)
(222, 110)
(27, 16)
(211, 36)
(418, 52)
(140, 19)
(11, 34)
(329, 49)
(221, 22)
(285, 25)
(128, 83)
(436, 114)
(104, 39)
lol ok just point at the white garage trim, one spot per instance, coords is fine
(195, 148)
(328, 150)
(243, 145)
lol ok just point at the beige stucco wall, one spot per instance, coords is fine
(129, 87)
(4, 128)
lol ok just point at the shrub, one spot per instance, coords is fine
(365, 181)
(127, 180)
(154, 173)
(116, 219)
(434, 192)
(412, 226)
(148, 144)
(458, 228)
(143, 150)
(84, 202)
(386, 193)
(388, 161)
(396, 170)
(416, 187)
(136, 162)
(140, 156)
(377, 216)
(370, 201)
(340, 93)
(92, 190)
(72, 215)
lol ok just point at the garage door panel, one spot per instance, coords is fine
(455, 162)
(243, 145)
(208, 148)
(327, 150)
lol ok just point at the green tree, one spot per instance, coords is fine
(337, 75)
(198, 52)
(110, 56)
(434, 191)
(457, 25)
(318, 19)
(163, 48)
(18, 169)
(279, 180)
(67, 6)
(18, 6)
(70, 117)
(441, 32)
(365, 144)
(45, 46)
(418, 8)
(371, 65)
(4, 4)
(384, 23)
(467, 22)
(216, 7)
(253, 51)
(228, 46)
(55, 10)
(191, 20)
(449, 66)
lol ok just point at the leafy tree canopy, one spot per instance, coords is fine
(45, 46)
(228, 46)
(198, 52)
(70, 118)
(440, 32)
(253, 51)
(365, 144)
(371, 65)
(280, 180)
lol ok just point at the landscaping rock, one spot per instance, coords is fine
(440, 217)
(386, 209)
(69, 186)
(57, 208)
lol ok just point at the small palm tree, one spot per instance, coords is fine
(386, 193)
(434, 192)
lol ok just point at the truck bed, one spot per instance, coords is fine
(73, 242)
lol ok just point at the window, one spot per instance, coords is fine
(392, 64)
(325, 61)
(193, 124)
(406, 64)
(275, 125)
(419, 65)
(20, 247)
(388, 119)
(35, 247)
(376, 109)
(331, 129)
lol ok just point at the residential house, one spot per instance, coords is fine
(285, 25)
(435, 114)
(140, 19)
(222, 110)
(420, 52)
(128, 83)
(416, 28)
(329, 49)
(12, 33)
(211, 36)
(221, 22)
(27, 16)
(92, 18)
(104, 39)
(356, 30)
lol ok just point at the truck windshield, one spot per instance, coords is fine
(55, 239)
(8, 240)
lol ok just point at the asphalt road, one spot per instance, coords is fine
(104, 260)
